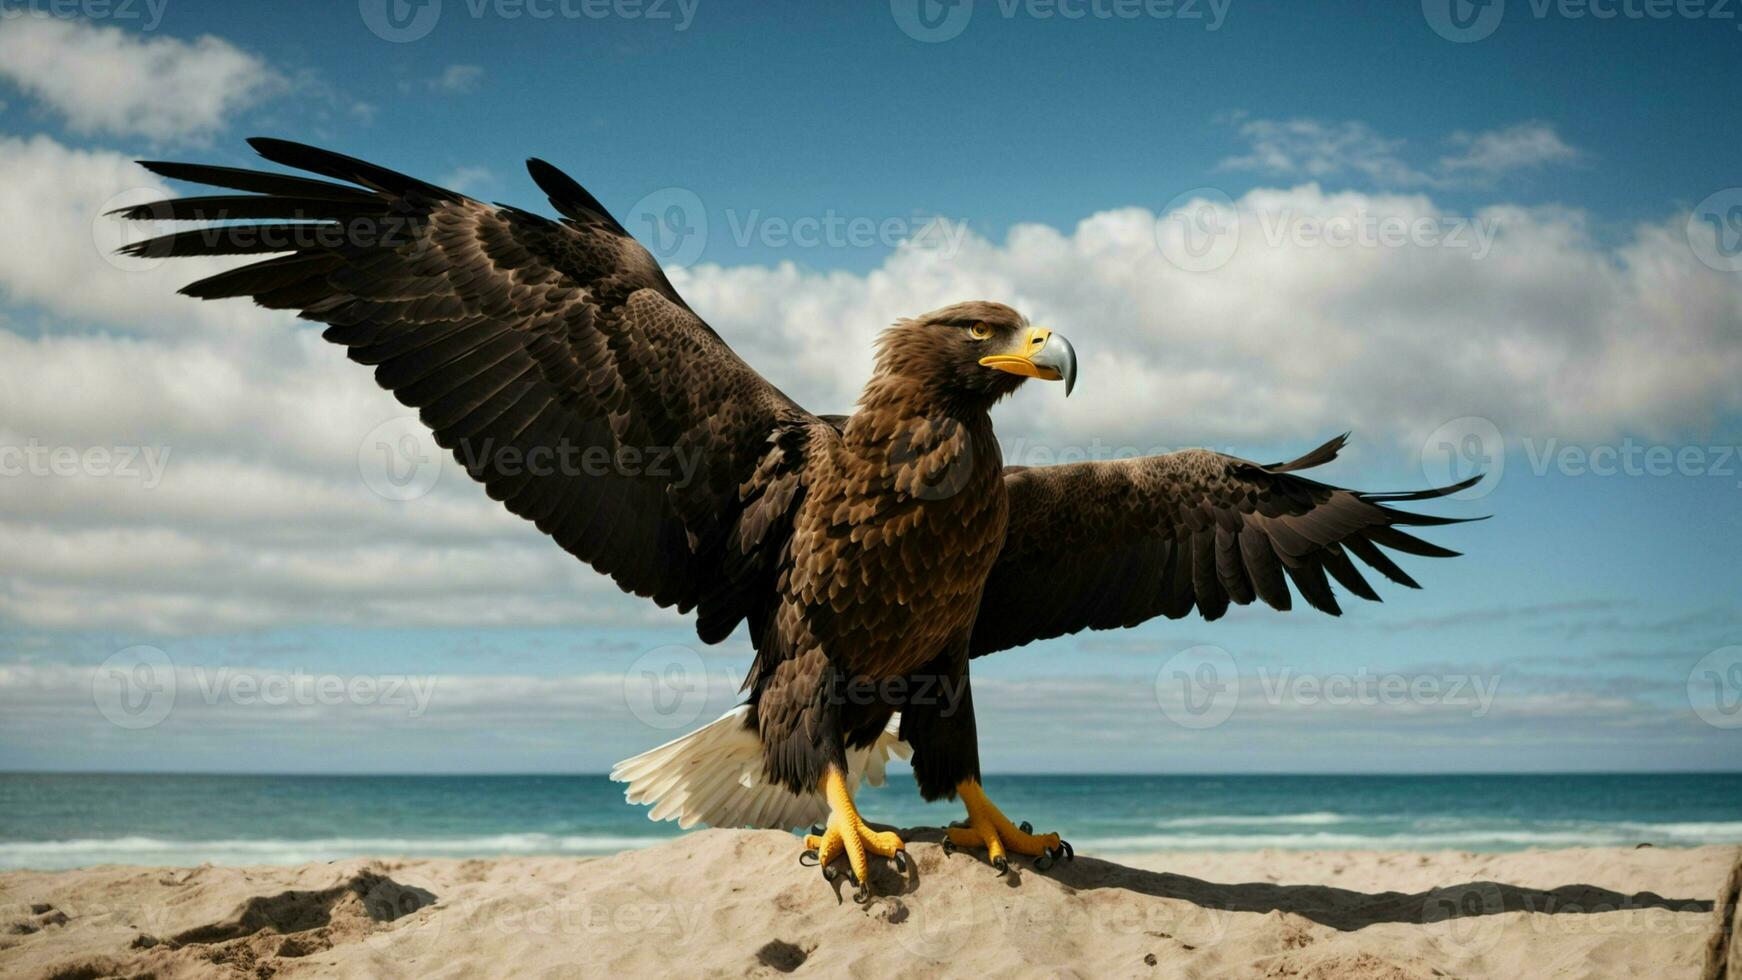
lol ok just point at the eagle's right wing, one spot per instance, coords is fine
(1104, 545)
(554, 359)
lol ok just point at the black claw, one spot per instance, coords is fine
(1025, 827)
(818, 830)
(1003, 866)
(1070, 855)
(949, 846)
(901, 862)
(813, 862)
(863, 895)
(831, 873)
(1044, 861)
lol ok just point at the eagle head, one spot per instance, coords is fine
(974, 352)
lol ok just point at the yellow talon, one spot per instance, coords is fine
(988, 827)
(847, 833)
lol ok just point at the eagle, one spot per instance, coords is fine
(870, 557)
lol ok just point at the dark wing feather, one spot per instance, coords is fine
(517, 337)
(1111, 544)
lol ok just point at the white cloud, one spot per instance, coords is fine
(1294, 339)
(302, 715)
(454, 80)
(262, 516)
(106, 80)
(1525, 146)
(468, 179)
(1317, 150)
(1312, 149)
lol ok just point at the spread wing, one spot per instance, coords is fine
(1104, 545)
(552, 357)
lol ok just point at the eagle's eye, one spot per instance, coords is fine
(980, 331)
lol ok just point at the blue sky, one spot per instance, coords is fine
(1057, 151)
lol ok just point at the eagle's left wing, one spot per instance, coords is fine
(1103, 545)
(552, 358)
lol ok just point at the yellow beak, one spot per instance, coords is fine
(1042, 354)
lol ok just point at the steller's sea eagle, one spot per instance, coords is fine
(892, 544)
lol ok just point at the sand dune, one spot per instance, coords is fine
(737, 903)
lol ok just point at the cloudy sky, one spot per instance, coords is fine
(1511, 244)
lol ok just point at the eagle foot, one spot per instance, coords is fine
(989, 828)
(846, 834)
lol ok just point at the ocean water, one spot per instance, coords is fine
(73, 820)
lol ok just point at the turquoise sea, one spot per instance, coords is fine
(72, 820)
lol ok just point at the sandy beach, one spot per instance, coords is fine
(737, 903)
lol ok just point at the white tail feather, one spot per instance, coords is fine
(713, 776)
